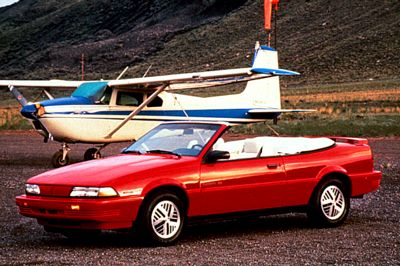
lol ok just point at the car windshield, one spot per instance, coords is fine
(177, 139)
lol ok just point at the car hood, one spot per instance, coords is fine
(105, 171)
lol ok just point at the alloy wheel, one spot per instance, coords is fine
(333, 202)
(165, 219)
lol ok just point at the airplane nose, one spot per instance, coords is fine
(29, 111)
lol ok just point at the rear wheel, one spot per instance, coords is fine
(330, 204)
(91, 154)
(162, 218)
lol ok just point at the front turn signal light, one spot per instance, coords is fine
(107, 192)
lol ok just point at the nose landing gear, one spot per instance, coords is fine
(61, 158)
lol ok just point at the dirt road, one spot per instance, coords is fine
(370, 236)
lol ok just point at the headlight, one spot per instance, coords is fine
(93, 192)
(32, 189)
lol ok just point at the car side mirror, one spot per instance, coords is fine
(216, 155)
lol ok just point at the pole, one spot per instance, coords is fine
(83, 66)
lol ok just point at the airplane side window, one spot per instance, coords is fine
(105, 99)
(157, 102)
(129, 98)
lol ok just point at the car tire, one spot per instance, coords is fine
(161, 219)
(329, 204)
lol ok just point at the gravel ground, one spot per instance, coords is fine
(370, 235)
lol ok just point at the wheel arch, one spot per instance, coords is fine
(172, 188)
(340, 175)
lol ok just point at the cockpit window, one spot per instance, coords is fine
(90, 90)
(128, 98)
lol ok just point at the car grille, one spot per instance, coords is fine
(55, 191)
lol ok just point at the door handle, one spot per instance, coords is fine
(272, 165)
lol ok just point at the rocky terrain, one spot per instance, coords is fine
(327, 41)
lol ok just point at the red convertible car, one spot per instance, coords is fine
(179, 171)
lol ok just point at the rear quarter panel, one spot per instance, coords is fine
(304, 171)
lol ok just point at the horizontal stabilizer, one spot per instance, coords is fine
(273, 110)
(275, 72)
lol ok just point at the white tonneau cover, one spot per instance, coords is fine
(272, 146)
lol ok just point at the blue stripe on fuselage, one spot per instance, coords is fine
(241, 113)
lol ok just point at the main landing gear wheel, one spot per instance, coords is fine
(330, 204)
(162, 218)
(91, 154)
(58, 160)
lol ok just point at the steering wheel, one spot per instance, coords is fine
(197, 146)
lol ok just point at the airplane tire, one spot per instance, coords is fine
(91, 154)
(57, 160)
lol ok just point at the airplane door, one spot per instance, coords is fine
(239, 185)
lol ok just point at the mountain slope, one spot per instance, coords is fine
(327, 41)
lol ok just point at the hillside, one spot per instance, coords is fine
(327, 41)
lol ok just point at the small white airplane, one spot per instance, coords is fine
(103, 112)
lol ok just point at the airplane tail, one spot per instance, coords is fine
(264, 92)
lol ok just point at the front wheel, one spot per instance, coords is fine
(162, 218)
(58, 161)
(330, 204)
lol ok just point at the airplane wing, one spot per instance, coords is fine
(173, 82)
(203, 79)
(67, 84)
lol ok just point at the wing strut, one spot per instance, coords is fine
(137, 110)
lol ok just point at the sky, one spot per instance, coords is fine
(7, 2)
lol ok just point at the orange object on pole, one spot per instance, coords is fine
(268, 6)
(267, 14)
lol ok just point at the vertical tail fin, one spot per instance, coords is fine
(264, 92)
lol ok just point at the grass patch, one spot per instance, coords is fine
(351, 126)
(11, 119)
(16, 123)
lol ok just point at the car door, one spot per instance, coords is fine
(241, 185)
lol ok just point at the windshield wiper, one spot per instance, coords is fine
(165, 152)
(132, 151)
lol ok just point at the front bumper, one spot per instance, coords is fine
(81, 213)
